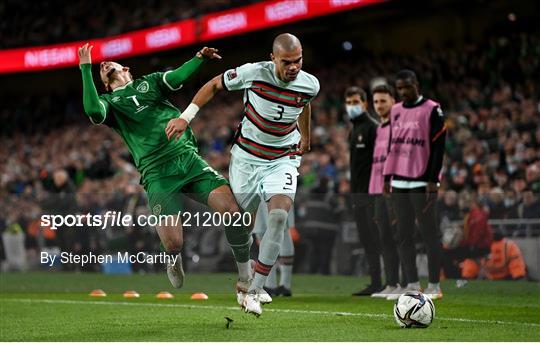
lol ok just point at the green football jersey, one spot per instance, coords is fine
(139, 112)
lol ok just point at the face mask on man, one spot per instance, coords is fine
(493, 164)
(511, 168)
(508, 202)
(470, 160)
(354, 111)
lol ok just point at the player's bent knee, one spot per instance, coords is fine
(280, 201)
(232, 208)
(277, 218)
(223, 203)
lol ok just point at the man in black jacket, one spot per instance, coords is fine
(362, 140)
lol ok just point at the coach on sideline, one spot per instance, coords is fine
(362, 142)
(411, 169)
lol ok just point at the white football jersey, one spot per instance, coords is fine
(271, 109)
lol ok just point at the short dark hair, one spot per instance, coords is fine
(405, 74)
(383, 88)
(353, 90)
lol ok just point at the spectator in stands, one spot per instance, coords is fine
(497, 210)
(448, 207)
(531, 210)
(25, 24)
(533, 174)
(511, 204)
(475, 243)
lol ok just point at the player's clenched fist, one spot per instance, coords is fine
(209, 53)
(304, 146)
(84, 53)
(175, 128)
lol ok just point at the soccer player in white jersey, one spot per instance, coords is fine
(274, 133)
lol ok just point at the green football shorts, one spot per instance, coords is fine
(186, 174)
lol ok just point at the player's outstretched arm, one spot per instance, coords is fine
(176, 127)
(304, 123)
(180, 75)
(95, 109)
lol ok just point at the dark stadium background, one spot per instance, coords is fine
(480, 59)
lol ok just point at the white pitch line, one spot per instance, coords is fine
(211, 307)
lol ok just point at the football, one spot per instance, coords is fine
(414, 309)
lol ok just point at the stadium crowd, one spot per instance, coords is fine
(57, 21)
(489, 93)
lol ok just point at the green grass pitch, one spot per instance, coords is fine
(56, 306)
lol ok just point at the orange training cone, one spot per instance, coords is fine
(164, 295)
(131, 294)
(98, 293)
(199, 296)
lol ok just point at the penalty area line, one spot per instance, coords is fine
(214, 307)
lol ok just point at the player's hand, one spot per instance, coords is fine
(386, 189)
(175, 128)
(304, 146)
(209, 53)
(431, 191)
(85, 54)
(432, 187)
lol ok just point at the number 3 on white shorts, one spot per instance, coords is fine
(289, 182)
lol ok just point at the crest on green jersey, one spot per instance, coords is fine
(157, 210)
(143, 87)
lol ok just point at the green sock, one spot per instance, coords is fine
(239, 241)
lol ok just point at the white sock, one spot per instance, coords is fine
(269, 247)
(285, 279)
(244, 270)
(271, 280)
(287, 246)
(415, 285)
(434, 285)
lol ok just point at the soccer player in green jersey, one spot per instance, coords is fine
(138, 110)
